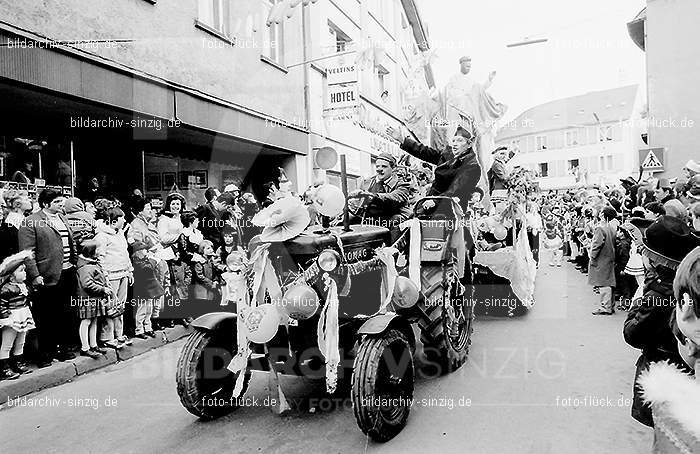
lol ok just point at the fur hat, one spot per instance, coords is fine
(668, 240)
(11, 263)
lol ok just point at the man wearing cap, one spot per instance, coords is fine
(664, 191)
(458, 171)
(387, 196)
(497, 173)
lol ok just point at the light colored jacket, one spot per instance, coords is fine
(113, 252)
(169, 229)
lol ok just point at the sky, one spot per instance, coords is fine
(589, 48)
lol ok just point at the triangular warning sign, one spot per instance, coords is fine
(651, 161)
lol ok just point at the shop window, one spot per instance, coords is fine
(335, 180)
(214, 14)
(273, 36)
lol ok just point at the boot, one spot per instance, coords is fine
(17, 365)
(5, 372)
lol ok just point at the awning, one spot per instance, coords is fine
(635, 28)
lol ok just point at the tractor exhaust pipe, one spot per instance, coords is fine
(344, 186)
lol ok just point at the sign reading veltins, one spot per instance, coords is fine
(341, 70)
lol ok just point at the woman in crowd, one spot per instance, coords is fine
(170, 230)
(18, 203)
(114, 258)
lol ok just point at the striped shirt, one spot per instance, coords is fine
(58, 224)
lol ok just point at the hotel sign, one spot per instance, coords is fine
(342, 96)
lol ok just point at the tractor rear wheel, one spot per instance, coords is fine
(447, 316)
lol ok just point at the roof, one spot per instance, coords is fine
(608, 105)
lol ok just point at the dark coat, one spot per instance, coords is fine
(147, 278)
(36, 234)
(601, 268)
(647, 328)
(92, 289)
(210, 223)
(204, 287)
(497, 176)
(9, 240)
(454, 177)
(390, 198)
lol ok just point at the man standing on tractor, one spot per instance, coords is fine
(458, 171)
(386, 195)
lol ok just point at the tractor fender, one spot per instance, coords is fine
(213, 320)
(383, 322)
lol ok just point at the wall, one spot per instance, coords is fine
(673, 71)
(168, 45)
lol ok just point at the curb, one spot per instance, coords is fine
(63, 372)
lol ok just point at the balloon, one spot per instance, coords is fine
(300, 302)
(500, 232)
(261, 322)
(405, 293)
(329, 200)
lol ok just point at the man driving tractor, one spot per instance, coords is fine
(385, 195)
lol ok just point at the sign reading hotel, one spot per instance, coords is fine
(342, 96)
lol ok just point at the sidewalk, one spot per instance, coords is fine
(62, 372)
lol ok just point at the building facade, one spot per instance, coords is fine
(161, 94)
(668, 33)
(375, 46)
(586, 140)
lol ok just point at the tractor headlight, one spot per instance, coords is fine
(328, 260)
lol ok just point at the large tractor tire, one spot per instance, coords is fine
(446, 321)
(382, 385)
(204, 384)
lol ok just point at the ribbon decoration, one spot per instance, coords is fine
(327, 333)
(389, 275)
(413, 225)
(264, 280)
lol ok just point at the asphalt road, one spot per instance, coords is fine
(557, 380)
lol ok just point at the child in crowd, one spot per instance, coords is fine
(81, 223)
(554, 242)
(92, 297)
(205, 280)
(113, 255)
(148, 288)
(686, 322)
(230, 237)
(15, 317)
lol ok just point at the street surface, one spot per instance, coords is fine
(557, 380)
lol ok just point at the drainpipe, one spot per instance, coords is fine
(306, 38)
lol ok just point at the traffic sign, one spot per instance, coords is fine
(651, 159)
